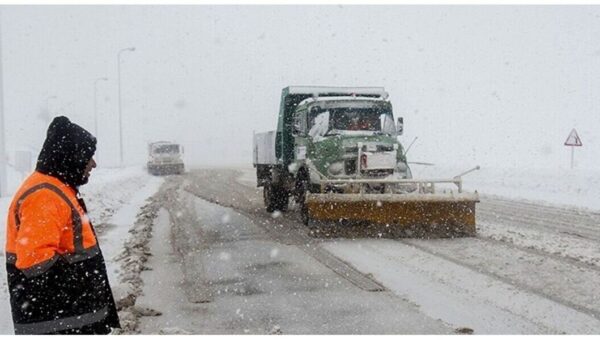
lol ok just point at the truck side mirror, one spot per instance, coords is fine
(297, 129)
(400, 126)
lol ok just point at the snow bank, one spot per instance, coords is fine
(132, 262)
(577, 187)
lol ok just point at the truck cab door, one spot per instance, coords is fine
(300, 137)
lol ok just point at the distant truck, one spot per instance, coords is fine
(165, 158)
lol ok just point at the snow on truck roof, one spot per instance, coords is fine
(322, 99)
(337, 89)
(161, 143)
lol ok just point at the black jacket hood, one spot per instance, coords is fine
(66, 152)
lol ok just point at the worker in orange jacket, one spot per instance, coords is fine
(56, 272)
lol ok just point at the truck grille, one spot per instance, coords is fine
(379, 172)
(350, 166)
(379, 148)
(382, 148)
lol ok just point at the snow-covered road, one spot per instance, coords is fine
(246, 282)
(198, 254)
(532, 269)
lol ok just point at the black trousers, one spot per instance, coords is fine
(98, 328)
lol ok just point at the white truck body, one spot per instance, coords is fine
(264, 148)
(165, 158)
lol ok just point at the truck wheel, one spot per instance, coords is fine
(282, 198)
(304, 214)
(301, 190)
(275, 198)
(268, 198)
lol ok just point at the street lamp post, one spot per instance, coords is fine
(96, 104)
(3, 158)
(130, 49)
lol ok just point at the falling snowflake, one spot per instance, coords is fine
(223, 256)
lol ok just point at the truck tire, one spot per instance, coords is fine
(301, 190)
(304, 216)
(275, 198)
(268, 198)
(282, 199)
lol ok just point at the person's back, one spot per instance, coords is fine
(56, 272)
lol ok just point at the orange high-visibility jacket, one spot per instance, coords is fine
(46, 221)
(55, 271)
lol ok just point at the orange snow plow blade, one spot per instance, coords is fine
(421, 215)
(404, 207)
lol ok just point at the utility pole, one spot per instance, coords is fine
(96, 114)
(3, 181)
(96, 104)
(129, 49)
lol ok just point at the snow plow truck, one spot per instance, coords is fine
(336, 153)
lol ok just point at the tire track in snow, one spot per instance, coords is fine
(459, 293)
(243, 199)
(555, 300)
(523, 273)
(568, 259)
(569, 233)
(584, 223)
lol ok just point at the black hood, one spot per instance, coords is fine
(66, 152)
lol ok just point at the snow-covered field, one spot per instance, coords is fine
(571, 187)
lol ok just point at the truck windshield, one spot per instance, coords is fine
(351, 119)
(166, 149)
(361, 119)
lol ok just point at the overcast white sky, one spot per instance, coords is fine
(498, 86)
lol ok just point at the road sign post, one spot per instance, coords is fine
(573, 140)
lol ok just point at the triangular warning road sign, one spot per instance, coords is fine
(573, 139)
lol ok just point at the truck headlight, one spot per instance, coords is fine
(336, 168)
(403, 170)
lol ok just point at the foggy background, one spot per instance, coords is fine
(498, 86)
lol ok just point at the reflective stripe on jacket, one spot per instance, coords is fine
(56, 272)
(46, 221)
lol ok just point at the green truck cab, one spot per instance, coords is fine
(329, 133)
